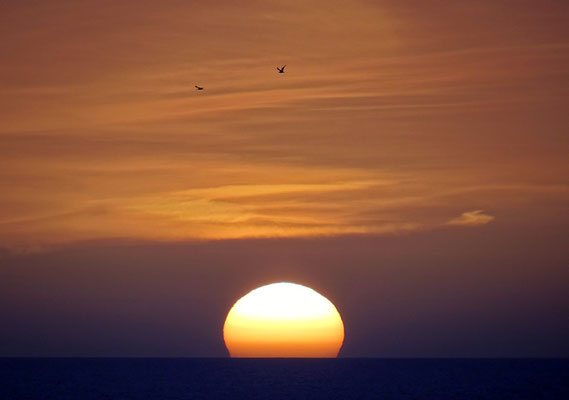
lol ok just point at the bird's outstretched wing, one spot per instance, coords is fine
(283, 67)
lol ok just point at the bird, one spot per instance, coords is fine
(281, 70)
(199, 88)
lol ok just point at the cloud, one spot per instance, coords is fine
(471, 218)
(384, 129)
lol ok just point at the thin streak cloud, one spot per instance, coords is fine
(472, 218)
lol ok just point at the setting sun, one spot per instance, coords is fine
(283, 320)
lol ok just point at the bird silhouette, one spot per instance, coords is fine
(199, 88)
(281, 70)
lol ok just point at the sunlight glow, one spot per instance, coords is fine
(283, 320)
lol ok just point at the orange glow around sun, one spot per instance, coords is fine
(283, 320)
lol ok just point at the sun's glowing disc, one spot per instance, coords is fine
(283, 320)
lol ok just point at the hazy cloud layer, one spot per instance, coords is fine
(391, 117)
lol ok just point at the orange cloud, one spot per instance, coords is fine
(471, 218)
(389, 115)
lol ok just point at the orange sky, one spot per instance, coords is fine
(389, 118)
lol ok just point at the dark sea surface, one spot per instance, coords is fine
(193, 378)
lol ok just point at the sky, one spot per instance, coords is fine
(410, 165)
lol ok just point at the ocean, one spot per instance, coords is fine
(217, 378)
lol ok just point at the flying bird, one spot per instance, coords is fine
(281, 70)
(199, 88)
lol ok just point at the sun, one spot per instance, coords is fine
(283, 320)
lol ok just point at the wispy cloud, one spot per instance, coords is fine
(472, 218)
(390, 117)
